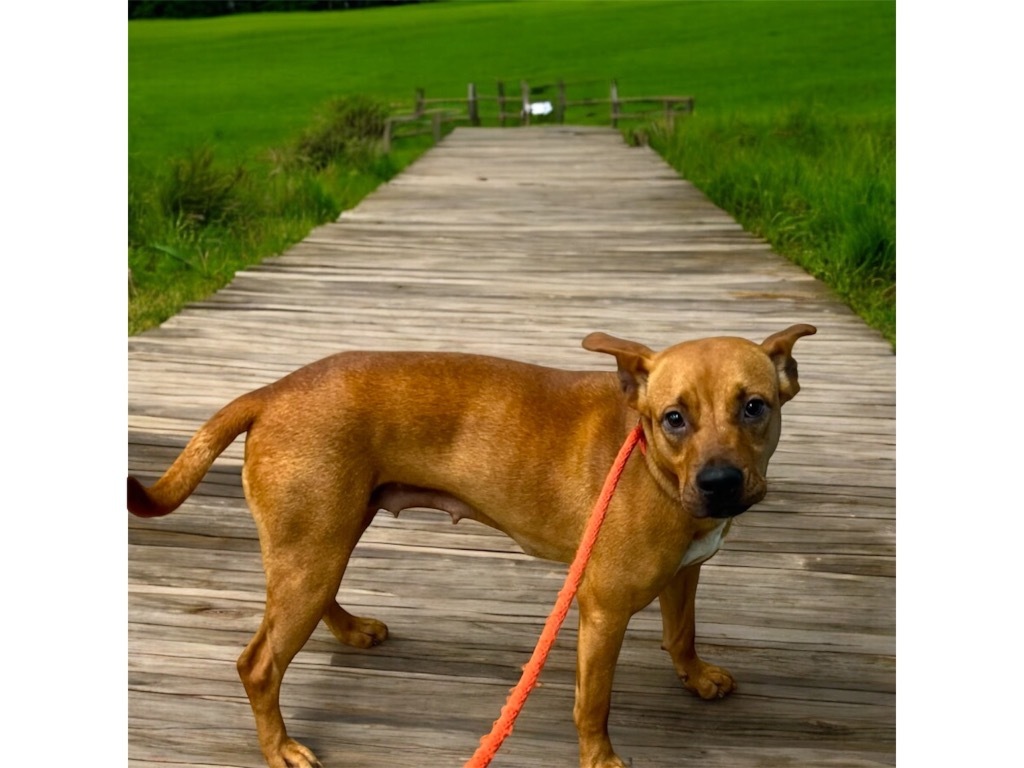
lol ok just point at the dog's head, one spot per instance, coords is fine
(711, 411)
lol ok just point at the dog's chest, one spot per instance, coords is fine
(709, 543)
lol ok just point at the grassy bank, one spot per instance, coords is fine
(820, 188)
(793, 133)
(198, 219)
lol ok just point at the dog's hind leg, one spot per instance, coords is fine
(356, 631)
(261, 667)
(393, 497)
(304, 557)
(295, 603)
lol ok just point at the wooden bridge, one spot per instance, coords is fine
(518, 243)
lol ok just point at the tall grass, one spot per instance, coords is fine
(194, 224)
(348, 130)
(820, 187)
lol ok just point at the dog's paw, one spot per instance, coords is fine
(293, 755)
(707, 680)
(367, 633)
(606, 758)
(356, 631)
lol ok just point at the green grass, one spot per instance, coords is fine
(821, 188)
(793, 132)
(192, 224)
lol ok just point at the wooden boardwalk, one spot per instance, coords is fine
(519, 242)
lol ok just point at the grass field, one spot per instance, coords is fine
(794, 131)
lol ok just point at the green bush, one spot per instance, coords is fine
(349, 130)
(201, 193)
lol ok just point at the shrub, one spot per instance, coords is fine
(199, 193)
(349, 130)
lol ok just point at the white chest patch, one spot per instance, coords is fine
(704, 547)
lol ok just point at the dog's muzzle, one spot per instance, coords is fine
(721, 488)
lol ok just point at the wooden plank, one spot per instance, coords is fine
(518, 243)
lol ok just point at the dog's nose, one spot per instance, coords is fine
(721, 486)
(724, 480)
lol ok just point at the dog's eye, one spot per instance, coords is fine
(755, 408)
(674, 421)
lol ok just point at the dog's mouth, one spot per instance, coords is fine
(721, 510)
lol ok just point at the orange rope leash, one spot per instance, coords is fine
(491, 743)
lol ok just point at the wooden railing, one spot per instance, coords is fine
(430, 115)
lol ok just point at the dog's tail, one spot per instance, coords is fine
(184, 475)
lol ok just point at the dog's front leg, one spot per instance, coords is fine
(678, 617)
(600, 640)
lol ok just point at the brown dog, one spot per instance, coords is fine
(522, 448)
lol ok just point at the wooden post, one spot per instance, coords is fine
(615, 104)
(387, 135)
(561, 101)
(670, 114)
(419, 102)
(474, 113)
(435, 124)
(524, 89)
(501, 103)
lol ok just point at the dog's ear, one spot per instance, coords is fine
(634, 361)
(779, 347)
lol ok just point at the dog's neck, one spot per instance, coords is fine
(703, 546)
(661, 478)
